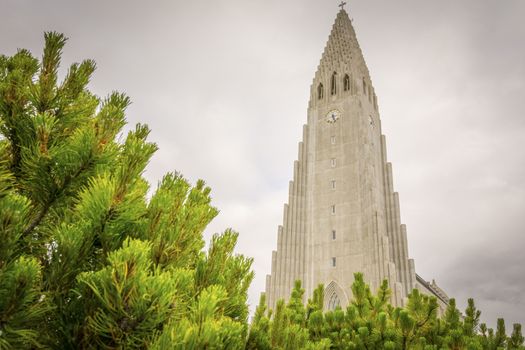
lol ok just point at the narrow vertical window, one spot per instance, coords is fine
(364, 86)
(333, 84)
(333, 184)
(332, 140)
(346, 83)
(333, 209)
(332, 162)
(333, 262)
(333, 234)
(320, 91)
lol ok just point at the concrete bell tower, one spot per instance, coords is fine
(342, 214)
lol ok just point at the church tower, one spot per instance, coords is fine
(342, 214)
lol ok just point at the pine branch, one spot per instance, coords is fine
(36, 221)
(16, 150)
(45, 209)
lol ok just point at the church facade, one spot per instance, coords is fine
(343, 215)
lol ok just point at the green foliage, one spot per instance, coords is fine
(371, 323)
(128, 299)
(471, 320)
(260, 327)
(296, 306)
(21, 303)
(205, 326)
(515, 341)
(86, 259)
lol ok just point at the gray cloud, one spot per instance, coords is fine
(224, 86)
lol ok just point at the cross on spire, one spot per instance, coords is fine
(342, 5)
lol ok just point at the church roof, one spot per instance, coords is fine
(342, 49)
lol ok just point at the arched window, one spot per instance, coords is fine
(320, 91)
(346, 83)
(334, 301)
(334, 296)
(333, 84)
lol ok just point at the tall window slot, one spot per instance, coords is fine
(333, 184)
(320, 91)
(332, 162)
(346, 83)
(364, 86)
(333, 84)
(333, 234)
(333, 262)
(332, 140)
(333, 209)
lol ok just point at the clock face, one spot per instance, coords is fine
(332, 116)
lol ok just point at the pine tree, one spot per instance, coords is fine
(472, 317)
(500, 338)
(259, 328)
(516, 339)
(279, 327)
(86, 259)
(295, 305)
(370, 322)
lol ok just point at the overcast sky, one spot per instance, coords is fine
(224, 85)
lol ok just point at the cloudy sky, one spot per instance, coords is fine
(224, 86)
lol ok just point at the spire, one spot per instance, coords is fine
(342, 51)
